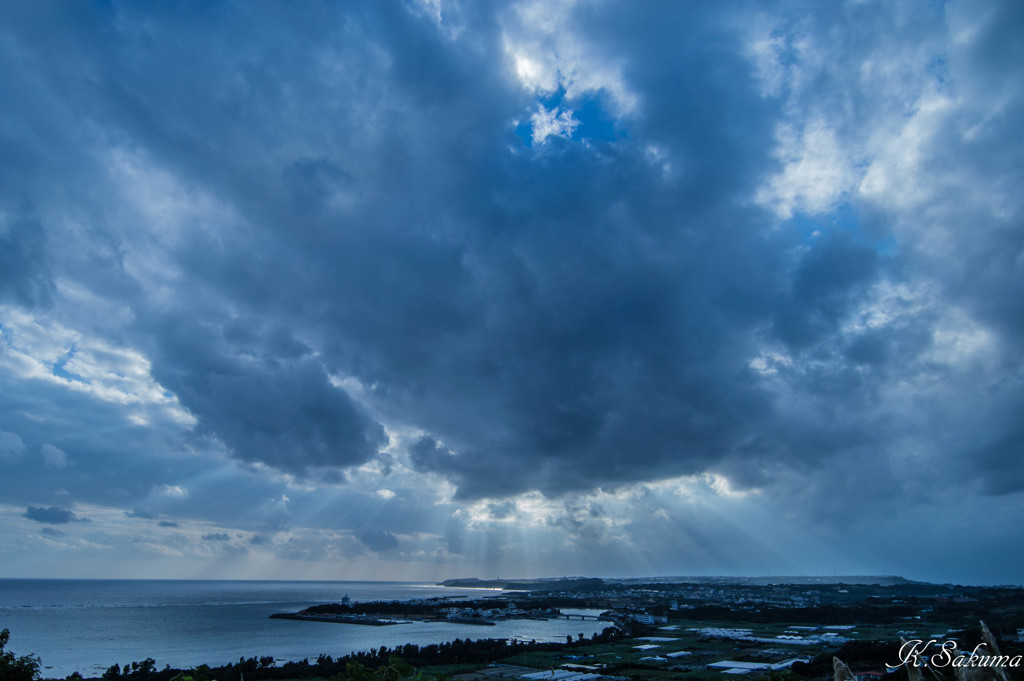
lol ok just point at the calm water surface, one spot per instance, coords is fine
(88, 625)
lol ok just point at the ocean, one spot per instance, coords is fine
(89, 625)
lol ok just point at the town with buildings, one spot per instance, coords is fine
(787, 629)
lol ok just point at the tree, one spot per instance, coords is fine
(12, 668)
(394, 670)
(200, 673)
(354, 671)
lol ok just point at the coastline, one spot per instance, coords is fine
(89, 625)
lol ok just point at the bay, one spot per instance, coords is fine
(89, 625)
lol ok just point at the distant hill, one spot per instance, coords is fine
(553, 584)
(881, 580)
(593, 583)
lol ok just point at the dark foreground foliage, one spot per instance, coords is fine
(14, 668)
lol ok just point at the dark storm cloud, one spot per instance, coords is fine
(168, 523)
(959, 227)
(336, 272)
(998, 461)
(54, 515)
(279, 411)
(829, 278)
(974, 178)
(344, 231)
(562, 317)
(611, 341)
(24, 270)
(216, 537)
(377, 540)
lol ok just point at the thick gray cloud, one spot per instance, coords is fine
(24, 278)
(565, 249)
(377, 540)
(279, 411)
(54, 515)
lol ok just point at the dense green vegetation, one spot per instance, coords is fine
(14, 668)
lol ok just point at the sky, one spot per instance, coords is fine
(419, 289)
